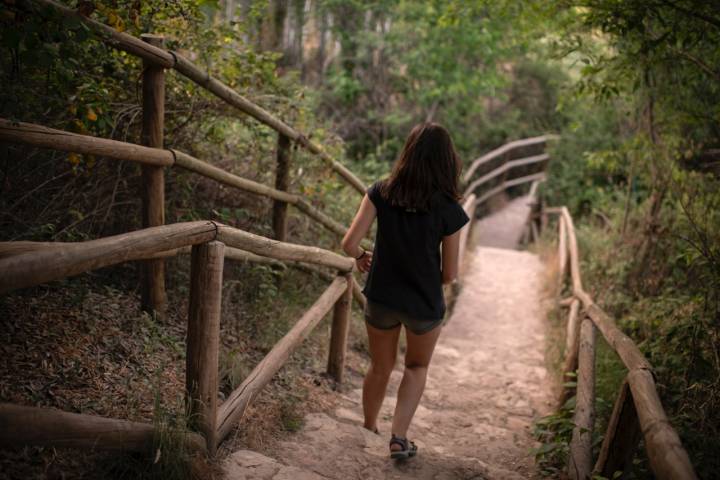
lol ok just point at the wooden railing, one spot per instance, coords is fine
(160, 57)
(26, 264)
(36, 263)
(637, 412)
(515, 163)
(512, 156)
(152, 156)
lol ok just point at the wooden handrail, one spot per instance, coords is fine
(493, 154)
(34, 266)
(33, 426)
(40, 136)
(510, 183)
(505, 168)
(668, 458)
(282, 250)
(45, 137)
(168, 59)
(232, 410)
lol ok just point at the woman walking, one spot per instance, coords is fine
(417, 211)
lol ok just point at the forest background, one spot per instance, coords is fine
(632, 87)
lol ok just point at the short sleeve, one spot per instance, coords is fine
(453, 218)
(373, 193)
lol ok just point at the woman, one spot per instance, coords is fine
(417, 210)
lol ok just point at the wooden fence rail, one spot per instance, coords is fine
(26, 264)
(160, 57)
(637, 411)
(34, 263)
(39, 136)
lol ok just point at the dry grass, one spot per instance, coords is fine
(83, 346)
(547, 249)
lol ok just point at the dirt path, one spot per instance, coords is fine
(504, 228)
(486, 384)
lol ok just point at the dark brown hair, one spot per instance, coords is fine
(428, 163)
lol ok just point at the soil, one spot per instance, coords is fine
(486, 385)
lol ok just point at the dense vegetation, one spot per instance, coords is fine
(632, 87)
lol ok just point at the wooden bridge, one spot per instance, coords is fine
(487, 383)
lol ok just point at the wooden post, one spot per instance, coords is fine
(34, 426)
(203, 339)
(562, 252)
(580, 467)
(153, 178)
(282, 182)
(621, 437)
(339, 332)
(572, 343)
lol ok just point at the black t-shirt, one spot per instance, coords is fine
(406, 272)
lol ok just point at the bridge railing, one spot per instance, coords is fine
(638, 411)
(30, 263)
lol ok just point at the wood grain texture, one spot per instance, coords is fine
(39, 136)
(34, 426)
(203, 339)
(232, 410)
(282, 183)
(36, 267)
(581, 464)
(152, 291)
(283, 251)
(339, 329)
(572, 345)
(668, 459)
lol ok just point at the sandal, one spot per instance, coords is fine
(408, 448)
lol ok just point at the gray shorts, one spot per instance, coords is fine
(385, 318)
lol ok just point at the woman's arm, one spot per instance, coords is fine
(357, 231)
(450, 252)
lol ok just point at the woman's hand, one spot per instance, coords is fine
(364, 262)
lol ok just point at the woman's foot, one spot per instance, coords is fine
(373, 429)
(401, 447)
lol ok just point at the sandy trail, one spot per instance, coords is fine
(486, 384)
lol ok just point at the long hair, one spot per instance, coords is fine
(428, 163)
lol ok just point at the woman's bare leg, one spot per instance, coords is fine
(383, 351)
(417, 358)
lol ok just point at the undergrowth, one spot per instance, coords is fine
(668, 319)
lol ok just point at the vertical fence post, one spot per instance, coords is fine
(339, 332)
(581, 464)
(153, 178)
(572, 345)
(203, 339)
(621, 437)
(282, 182)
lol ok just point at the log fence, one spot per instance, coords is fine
(637, 413)
(35, 263)
(161, 58)
(27, 264)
